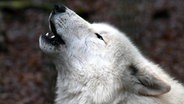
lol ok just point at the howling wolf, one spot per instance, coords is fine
(98, 64)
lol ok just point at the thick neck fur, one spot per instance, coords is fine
(84, 87)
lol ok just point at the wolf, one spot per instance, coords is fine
(98, 64)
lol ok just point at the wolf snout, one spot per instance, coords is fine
(59, 9)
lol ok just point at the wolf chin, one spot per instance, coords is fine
(98, 64)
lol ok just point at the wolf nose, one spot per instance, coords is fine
(59, 8)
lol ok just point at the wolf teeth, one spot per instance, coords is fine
(52, 37)
(47, 34)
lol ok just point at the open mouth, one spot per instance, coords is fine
(53, 38)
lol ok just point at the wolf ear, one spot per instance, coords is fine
(147, 84)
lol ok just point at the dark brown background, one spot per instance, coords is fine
(28, 77)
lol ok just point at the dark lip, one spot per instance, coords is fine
(52, 27)
(57, 40)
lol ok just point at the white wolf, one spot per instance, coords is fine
(97, 64)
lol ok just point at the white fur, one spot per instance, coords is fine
(108, 71)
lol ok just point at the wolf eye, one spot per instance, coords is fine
(99, 36)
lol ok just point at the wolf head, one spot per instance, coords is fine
(98, 49)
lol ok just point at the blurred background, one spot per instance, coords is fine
(28, 77)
